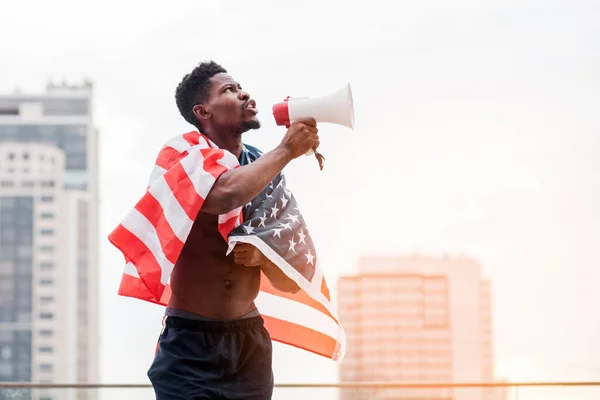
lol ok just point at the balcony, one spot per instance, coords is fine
(341, 391)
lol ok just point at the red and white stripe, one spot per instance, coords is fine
(152, 236)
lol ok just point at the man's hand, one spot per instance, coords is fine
(248, 255)
(300, 137)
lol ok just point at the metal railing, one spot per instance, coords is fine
(567, 390)
(341, 385)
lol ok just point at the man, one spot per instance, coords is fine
(213, 344)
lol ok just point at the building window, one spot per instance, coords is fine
(47, 183)
(7, 184)
(8, 252)
(46, 332)
(46, 265)
(5, 352)
(71, 138)
(46, 315)
(9, 234)
(25, 156)
(46, 349)
(9, 111)
(46, 367)
(9, 202)
(46, 299)
(46, 249)
(66, 107)
(46, 282)
(47, 232)
(24, 251)
(47, 215)
(47, 199)
(11, 156)
(27, 184)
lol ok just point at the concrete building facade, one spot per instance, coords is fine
(49, 239)
(417, 320)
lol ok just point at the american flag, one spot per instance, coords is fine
(152, 235)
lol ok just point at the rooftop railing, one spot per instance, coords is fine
(317, 391)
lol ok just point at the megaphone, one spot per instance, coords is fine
(336, 108)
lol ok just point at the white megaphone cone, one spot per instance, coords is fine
(336, 108)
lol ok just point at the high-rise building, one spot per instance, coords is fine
(417, 320)
(49, 239)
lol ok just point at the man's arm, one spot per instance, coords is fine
(248, 255)
(238, 186)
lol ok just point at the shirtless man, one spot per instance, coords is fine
(214, 344)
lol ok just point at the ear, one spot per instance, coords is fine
(201, 112)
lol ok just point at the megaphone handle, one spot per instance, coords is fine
(318, 155)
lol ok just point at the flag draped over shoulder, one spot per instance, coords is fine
(152, 236)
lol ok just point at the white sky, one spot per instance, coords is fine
(477, 134)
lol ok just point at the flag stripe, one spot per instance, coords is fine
(175, 215)
(179, 143)
(217, 162)
(130, 270)
(201, 180)
(149, 244)
(299, 336)
(157, 172)
(171, 242)
(325, 290)
(192, 138)
(235, 213)
(180, 189)
(317, 279)
(229, 224)
(297, 313)
(299, 297)
(166, 156)
(148, 268)
(134, 287)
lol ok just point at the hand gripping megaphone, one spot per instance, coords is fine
(336, 108)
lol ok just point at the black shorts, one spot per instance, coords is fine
(213, 360)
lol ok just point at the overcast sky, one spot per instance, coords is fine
(477, 134)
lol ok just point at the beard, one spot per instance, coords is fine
(250, 124)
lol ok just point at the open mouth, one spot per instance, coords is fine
(251, 105)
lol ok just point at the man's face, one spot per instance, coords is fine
(229, 106)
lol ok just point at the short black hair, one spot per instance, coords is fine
(194, 89)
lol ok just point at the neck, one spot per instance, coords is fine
(232, 142)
